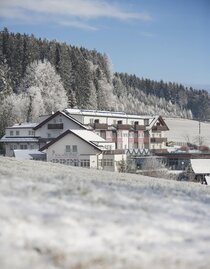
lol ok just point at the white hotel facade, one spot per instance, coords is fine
(126, 131)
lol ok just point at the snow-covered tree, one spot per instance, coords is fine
(51, 95)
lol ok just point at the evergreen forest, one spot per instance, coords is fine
(40, 76)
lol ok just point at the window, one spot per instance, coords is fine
(68, 148)
(17, 132)
(119, 122)
(74, 148)
(23, 146)
(30, 132)
(11, 133)
(15, 147)
(146, 122)
(85, 163)
(60, 119)
(96, 121)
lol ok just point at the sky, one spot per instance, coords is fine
(156, 39)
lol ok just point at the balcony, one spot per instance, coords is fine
(139, 127)
(55, 126)
(160, 128)
(146, 140)
(158, 139)
(100, 126)
(123, 126)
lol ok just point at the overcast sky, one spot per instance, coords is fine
(157, 39)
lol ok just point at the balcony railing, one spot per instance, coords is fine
(100, 126)
(123, 126)
(160, 128)
(139, 127)
(55, 126)
(146, 140)
(158, 139)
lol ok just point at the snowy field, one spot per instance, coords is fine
(183, 130)
(53, 216)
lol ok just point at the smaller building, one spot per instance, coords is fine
(83, 148)
(201, 169)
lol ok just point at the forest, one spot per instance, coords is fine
(40, 76)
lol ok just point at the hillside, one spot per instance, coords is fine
(184, 130)
(52, 216)
(90, 83)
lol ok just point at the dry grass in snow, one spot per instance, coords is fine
(53, 216)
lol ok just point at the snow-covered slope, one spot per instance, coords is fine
(53, 216)
(184, 130)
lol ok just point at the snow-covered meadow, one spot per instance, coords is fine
(53, 216)
(184, 130)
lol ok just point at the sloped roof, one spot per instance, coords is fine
(88, 135)
(56, 114)
(27, 154)
(23, 125)
(85, 136)
(18, 139)
(200, 166)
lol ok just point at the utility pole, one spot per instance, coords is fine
(199, 130)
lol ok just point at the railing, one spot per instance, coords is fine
(123, 126)
(55, 126)
(139, 127)
(158, 139)
(160, 128)
(99, 126)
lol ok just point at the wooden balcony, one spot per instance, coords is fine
(160, 128)
(100, 126)
(55, 126)
(139, 127)
(123, 126)
(158, 139)
(146, 140)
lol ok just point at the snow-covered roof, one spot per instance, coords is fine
(27, 154)
(87, 112)
(18, 139)
(54, 115)
(200, 166)
(23, 125)
(207, 179)
(88, 135)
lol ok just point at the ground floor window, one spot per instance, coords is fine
(23, 146)
(85, 163)
(106, 162)
(72, 162)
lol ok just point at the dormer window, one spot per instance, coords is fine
(17, 133)
(11, 133)
(146, 122)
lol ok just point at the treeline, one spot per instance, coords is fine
(88, 80)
